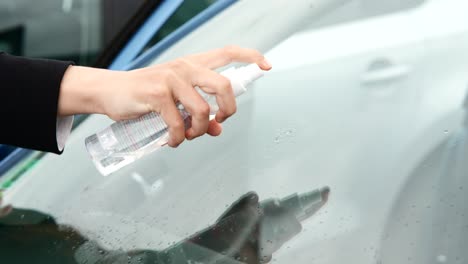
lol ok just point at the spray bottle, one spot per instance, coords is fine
(126, 141)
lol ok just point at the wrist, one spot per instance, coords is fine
(81, 91)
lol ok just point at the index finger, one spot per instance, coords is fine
(224, 56)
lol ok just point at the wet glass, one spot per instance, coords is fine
(351, 150)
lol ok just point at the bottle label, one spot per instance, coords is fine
(107, 138)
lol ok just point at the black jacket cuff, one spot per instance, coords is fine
(29, 100)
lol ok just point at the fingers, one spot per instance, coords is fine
(180, 77)
(214, 128)
(221, 57)
(194, 103)
(218, 85)
(180, 88)
(196, 106)
(171, 116)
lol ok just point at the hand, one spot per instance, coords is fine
(129, 95)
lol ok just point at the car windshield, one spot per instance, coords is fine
(353, 149)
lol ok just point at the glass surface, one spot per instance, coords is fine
(186, 11)
(76, 30)
(351, 150)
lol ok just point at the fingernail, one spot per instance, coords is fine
(220, 120)
(171, 143)
(266, 63)
(189, 134)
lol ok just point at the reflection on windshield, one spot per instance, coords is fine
(247, 232)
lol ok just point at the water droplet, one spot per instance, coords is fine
(441, 258)
(446, 131)
(22, 216)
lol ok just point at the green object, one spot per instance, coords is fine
(20, 169)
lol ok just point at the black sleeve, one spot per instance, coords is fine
(29, 92)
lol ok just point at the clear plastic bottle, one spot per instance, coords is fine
(126, 141)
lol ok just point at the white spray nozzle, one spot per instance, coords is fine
(250, 73)
(243, 76)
